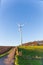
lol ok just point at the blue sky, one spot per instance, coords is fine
(27, 12)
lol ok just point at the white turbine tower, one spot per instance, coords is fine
(20, 30)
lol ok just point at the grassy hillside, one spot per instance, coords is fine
(30, 55)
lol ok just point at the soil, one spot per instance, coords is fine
(4, 49)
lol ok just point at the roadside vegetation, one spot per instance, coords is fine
(29, 55)
(4, 54)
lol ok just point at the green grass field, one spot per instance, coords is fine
(31, 55)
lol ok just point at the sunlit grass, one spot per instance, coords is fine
(30, 51)
(31, 47)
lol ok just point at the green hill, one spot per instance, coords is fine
(29, 55)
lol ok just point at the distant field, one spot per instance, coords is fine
(4, 49)
(31, 55)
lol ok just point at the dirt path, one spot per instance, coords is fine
(10, 58)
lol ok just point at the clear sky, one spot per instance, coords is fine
(27, 12)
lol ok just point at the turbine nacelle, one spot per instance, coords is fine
(20, 26)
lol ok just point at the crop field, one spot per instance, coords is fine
(30, 55)
(4, 50)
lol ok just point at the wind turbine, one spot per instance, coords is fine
(20, 30)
